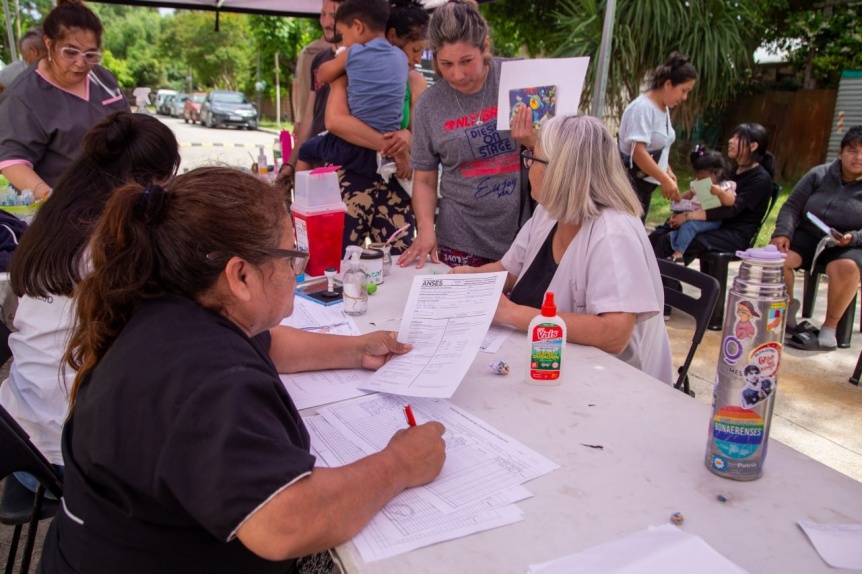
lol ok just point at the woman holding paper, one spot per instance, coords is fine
(183, 451)
(586, 244)
(646, 132)
(740, 222)
(833, 193)
(455, 125)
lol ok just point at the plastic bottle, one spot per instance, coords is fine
(261, 162)
(547, 337)
(355, 284)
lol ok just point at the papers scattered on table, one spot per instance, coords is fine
(323, 387)
(665, 549)
(445, 319)
(474, 492)
(840, 545)
(495, 337)
(309, 316)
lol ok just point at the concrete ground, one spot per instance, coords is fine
(817, 411)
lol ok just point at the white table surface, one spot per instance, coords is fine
(651, 465)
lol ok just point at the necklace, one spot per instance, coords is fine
(479, 121)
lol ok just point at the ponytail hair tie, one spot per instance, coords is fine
(151, 203)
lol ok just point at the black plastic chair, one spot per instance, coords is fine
(700, 307)
(20, 506)
(715, 264)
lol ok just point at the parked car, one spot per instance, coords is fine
(192, 107)
(177, 105)
(161, 100)
(222, 108)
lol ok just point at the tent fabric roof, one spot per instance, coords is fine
(298, 8)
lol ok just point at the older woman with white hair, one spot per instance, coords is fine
(585, 242)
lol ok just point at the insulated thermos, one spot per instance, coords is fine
(747, 374)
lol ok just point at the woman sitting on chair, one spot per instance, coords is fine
(741, 221)
(585, 243)
(833, 193)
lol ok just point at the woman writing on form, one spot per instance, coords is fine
(183, 451)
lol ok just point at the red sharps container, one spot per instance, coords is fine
(318, 218)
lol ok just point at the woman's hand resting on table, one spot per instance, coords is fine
(425, 244)
(378, 347)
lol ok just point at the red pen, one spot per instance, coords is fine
(408, 412)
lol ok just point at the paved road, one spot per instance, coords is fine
(202, 146)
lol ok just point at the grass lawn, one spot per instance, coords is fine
(659, 209)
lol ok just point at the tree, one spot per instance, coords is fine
(518, 26)
(285, 36)
(822, 38)
(29, 13)
(224, 59)
(718, 35)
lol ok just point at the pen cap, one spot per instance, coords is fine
(549, 307)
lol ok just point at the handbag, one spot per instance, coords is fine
(636, 172)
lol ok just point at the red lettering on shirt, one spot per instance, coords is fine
(503, 164)
(488, 114)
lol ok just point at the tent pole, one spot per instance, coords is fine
(601, 84)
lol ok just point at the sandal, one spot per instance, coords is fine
(807, 341)
(803, 327)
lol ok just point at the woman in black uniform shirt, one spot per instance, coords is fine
(183, 451)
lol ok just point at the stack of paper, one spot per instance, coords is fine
(475, 491)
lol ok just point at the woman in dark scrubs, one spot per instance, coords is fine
(45, 114)
(183, 451)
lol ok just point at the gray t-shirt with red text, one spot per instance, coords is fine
(480, 183)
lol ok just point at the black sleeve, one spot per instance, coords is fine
(751, 192)
(234, 444)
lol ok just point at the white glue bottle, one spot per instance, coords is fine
(547, 337)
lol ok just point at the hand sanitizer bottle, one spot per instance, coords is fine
(355, 284)
(547, 337)
(261, 162)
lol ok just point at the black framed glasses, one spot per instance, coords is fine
(72, 54)
(297, 259)
(527, 159)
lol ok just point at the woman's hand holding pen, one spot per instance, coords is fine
(420, 452)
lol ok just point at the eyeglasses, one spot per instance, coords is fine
(527, 159)
(297, 259)
(72, 55)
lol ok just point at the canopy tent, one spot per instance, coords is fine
(297, 8)
(310, 8)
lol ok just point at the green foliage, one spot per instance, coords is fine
(517, 25)
(716, 34)
(829, 37)
(285, 36)
(119, 68)
(223, 59)
(30, 13)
